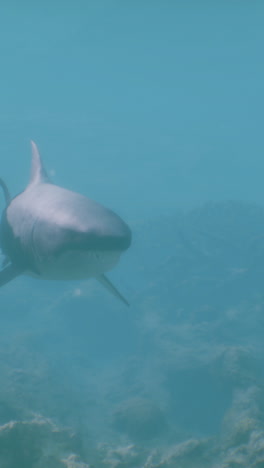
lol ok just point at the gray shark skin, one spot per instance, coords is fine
(52, 233)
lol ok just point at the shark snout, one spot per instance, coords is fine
(123, 239)
(113, 236)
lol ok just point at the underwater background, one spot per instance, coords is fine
(154, 109)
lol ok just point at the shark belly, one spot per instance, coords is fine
(76, 265)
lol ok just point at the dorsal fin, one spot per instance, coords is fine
(38, 173)
(6, 191)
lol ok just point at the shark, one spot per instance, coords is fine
(52, 233)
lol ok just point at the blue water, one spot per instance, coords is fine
(154, 109)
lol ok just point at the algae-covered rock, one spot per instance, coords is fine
(73, 461)
(140, 418)
(36, 443)
(177, 383)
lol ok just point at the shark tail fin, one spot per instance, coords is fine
(38, 172)
(108, 285)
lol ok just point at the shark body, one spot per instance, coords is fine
(53, 233)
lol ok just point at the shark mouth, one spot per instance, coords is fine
(76, 265)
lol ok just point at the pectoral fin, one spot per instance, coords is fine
(108, 285)
(8, 273)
